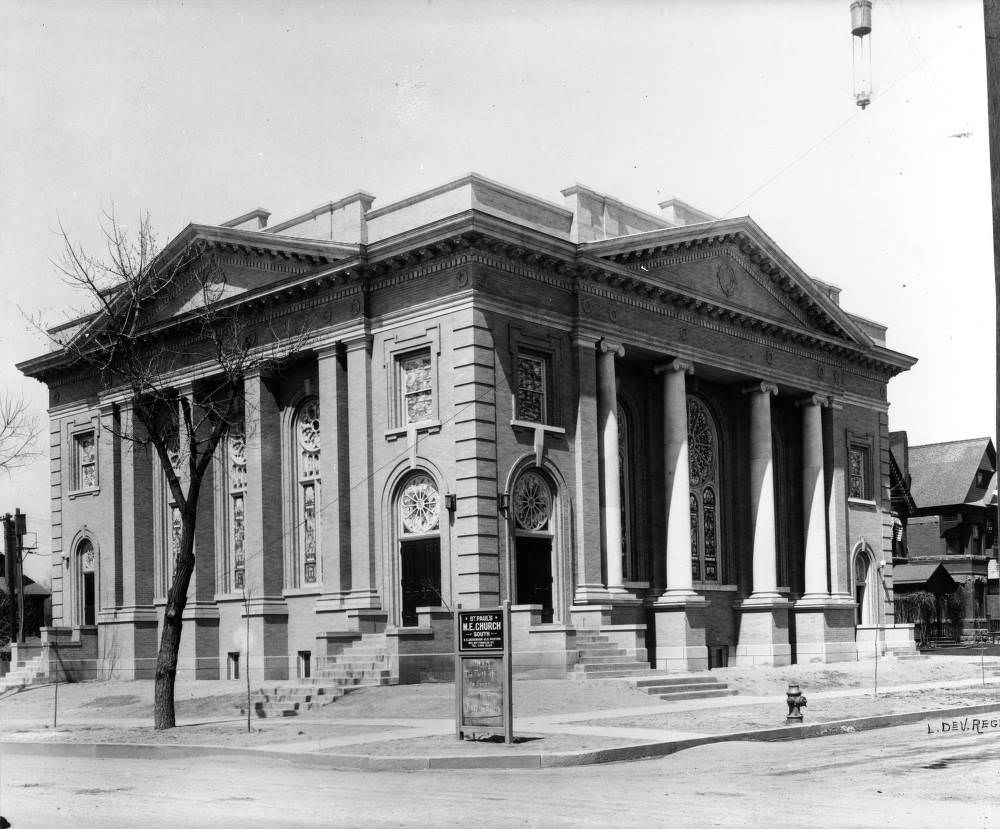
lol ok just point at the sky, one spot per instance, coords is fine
(202, 111)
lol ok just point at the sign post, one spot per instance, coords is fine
(483, 676)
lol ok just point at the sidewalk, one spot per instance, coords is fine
(630, 731)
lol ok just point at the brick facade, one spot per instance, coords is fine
(472, 283)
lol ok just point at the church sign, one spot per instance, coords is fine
(483, 702)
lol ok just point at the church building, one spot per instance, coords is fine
(648, 429)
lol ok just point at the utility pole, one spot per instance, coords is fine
(11, 554)
(20, 527)
(991, 23)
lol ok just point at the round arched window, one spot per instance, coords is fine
(532, 502)
(703, 472)
(420, 505)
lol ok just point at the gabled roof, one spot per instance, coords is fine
(944, 474)
(816, 303)
(933, 576)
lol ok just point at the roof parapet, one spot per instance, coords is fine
(340, 221)
(680, 214)
(598, 216)
(256, 219)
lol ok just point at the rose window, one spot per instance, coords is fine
(701, 443)
(420, 505)
(532, 502)
(309, 427)
(238, 447)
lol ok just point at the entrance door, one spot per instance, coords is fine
(88, 599)
(534, 574)
(421, 582)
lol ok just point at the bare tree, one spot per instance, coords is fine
(19, 430)
(155, 316)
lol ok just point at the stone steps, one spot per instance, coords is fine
(600, 658)
(22, 675)
(363, 664)
(673, 688)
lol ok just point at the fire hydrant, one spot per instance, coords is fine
(796, 702)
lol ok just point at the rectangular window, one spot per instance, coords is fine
(233, 664)
(859, 473)
(531, 397)
(416, 383)
(85, 450)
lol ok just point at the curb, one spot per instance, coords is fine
(366, 762)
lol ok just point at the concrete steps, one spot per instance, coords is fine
(366, 663)
(22, 676)
(600, 658)
(671, 688)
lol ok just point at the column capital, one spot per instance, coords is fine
(357, 341)
(606, 346)
(813, 400)
(584, 339)
(760, 387)
(685, 366)
(327, 350)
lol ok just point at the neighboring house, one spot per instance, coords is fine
(653, 427)
(37, 606)
(944, 495)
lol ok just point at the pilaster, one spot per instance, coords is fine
(589, 581)
(358, 349)
(334, 473)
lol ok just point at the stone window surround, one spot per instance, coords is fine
(224, 498)
(396, 348)
(75, 430)
(301, 481)
(864, 441)
(546, 349)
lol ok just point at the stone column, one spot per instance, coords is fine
(676, 479)
(835, 460)
(679, 613)
(765, 554)
(364, 592)
(607, 418)
(763, 636)
(813, 498)
(824, 624)
(590, 588)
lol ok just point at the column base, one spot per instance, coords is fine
(590, 616)
(680, 635)
(824, 630)
(763, 636)
(587, 594)
(366, 599)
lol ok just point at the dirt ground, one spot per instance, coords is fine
(209, 710)
(763, 716)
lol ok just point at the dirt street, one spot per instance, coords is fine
(913, 776)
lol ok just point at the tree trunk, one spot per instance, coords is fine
(170, 640)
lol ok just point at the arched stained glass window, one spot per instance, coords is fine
(236, 450)
(419, 512)
(625, 473)
(307, 444)
(532, 502)
(703, 465)
(420, 506)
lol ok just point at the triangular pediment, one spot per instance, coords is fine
(729, 280)
(733, 264)
(209, 265)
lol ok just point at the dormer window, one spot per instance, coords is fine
(982, 478)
